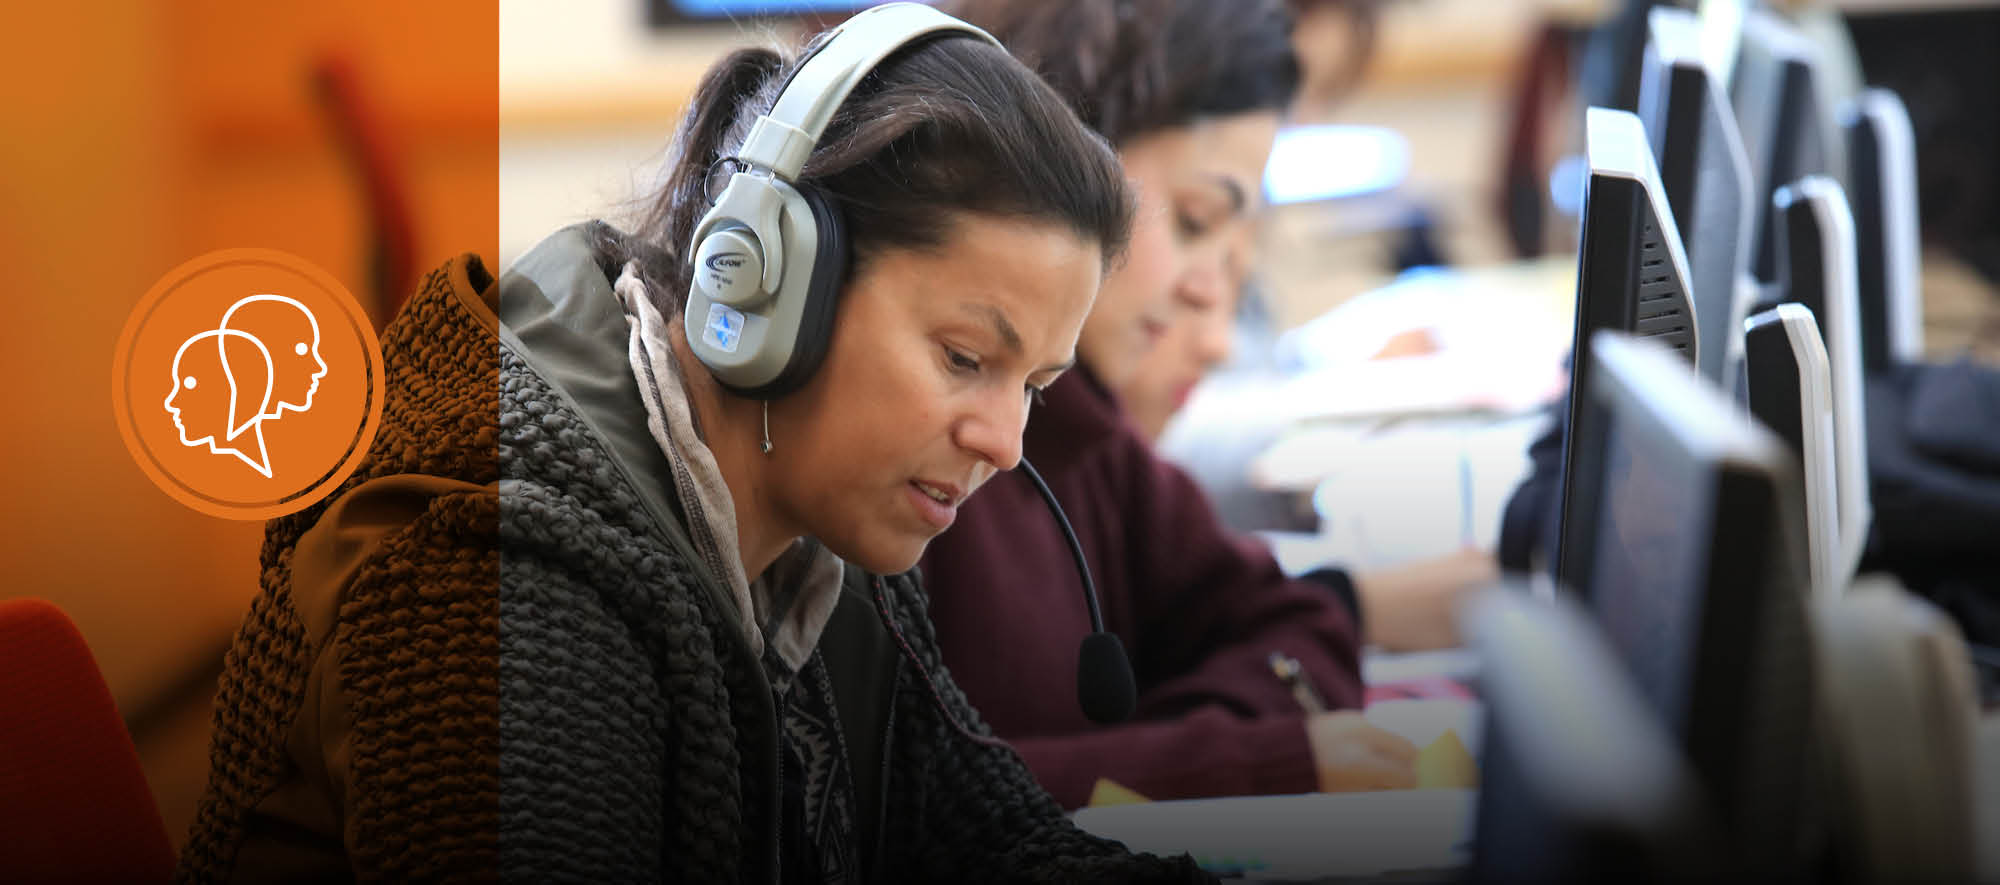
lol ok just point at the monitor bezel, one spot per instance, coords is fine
(1701, 157)
(1818, 251)
(1882, 177)
(1748, 691)
(1790, 386)
(1622, 185)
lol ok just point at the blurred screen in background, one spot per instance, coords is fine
(667, 12)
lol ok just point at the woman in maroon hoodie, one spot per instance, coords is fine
(1190, 93)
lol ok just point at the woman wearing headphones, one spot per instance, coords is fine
(640, 629)
(1190, 92)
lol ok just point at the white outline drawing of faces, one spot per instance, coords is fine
(276, 409)
(261, 462)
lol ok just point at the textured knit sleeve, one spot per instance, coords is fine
(620, 741)
(962, 804)
(372, 751)
(420, 635)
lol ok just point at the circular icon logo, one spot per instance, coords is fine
(248, 384)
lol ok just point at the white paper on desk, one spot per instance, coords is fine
(1390, 497)
(1379, 667)
(1457, 380)
(1497, 349)
(1497, 310)
(1310, 836)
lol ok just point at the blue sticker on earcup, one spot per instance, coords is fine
(725, 327)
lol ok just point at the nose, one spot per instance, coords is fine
(1205, 286)
(1208, 288)
(1215, 333)
(1211, 269)
(992, 433)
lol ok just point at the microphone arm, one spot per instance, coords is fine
(1104, 684)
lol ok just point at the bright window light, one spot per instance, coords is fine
(1332, 162)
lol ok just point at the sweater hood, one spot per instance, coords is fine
(558, 312)
(440, 414)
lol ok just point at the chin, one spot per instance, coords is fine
(881, 556)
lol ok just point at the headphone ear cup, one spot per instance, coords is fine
(828, 265)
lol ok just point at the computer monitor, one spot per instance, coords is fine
(1787, 131)
(1689, 551)
(1791, 392)
(1882, 188)
(1705, 172)
(1816, 247)
(1579, 782)
(1632, 275)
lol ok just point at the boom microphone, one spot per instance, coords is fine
(1104, 685)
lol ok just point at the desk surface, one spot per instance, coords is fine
(1305, 837)
(1318, 835)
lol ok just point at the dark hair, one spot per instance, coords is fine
(943, 126)
(1133, 67)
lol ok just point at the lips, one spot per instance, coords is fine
(936, 502)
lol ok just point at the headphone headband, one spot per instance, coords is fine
(781, 140)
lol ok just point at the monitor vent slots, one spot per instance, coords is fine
(1663, 314)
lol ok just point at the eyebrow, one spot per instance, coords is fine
(995, 317)
(1011, 337)
(1238, 200)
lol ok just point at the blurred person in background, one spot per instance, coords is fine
(696, 660)
(1191, 93)
(1335, 40)
(1407, 607)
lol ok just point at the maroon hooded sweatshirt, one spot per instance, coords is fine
(1199, 608)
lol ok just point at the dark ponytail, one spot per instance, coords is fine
(710, 114)
(940, 128)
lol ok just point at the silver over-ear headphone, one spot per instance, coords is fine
(770, 255)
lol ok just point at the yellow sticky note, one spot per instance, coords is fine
(1446, 764)
(1108, 792)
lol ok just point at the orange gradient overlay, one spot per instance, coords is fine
(247, 384)
(360, 135)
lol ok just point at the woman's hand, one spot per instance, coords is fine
(1354, 756)
(1415, 607)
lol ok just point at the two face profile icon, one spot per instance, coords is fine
(239, 348)
(260, 362)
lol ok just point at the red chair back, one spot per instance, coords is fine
(74, 805)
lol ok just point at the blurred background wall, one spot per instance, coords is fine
(589, 93)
